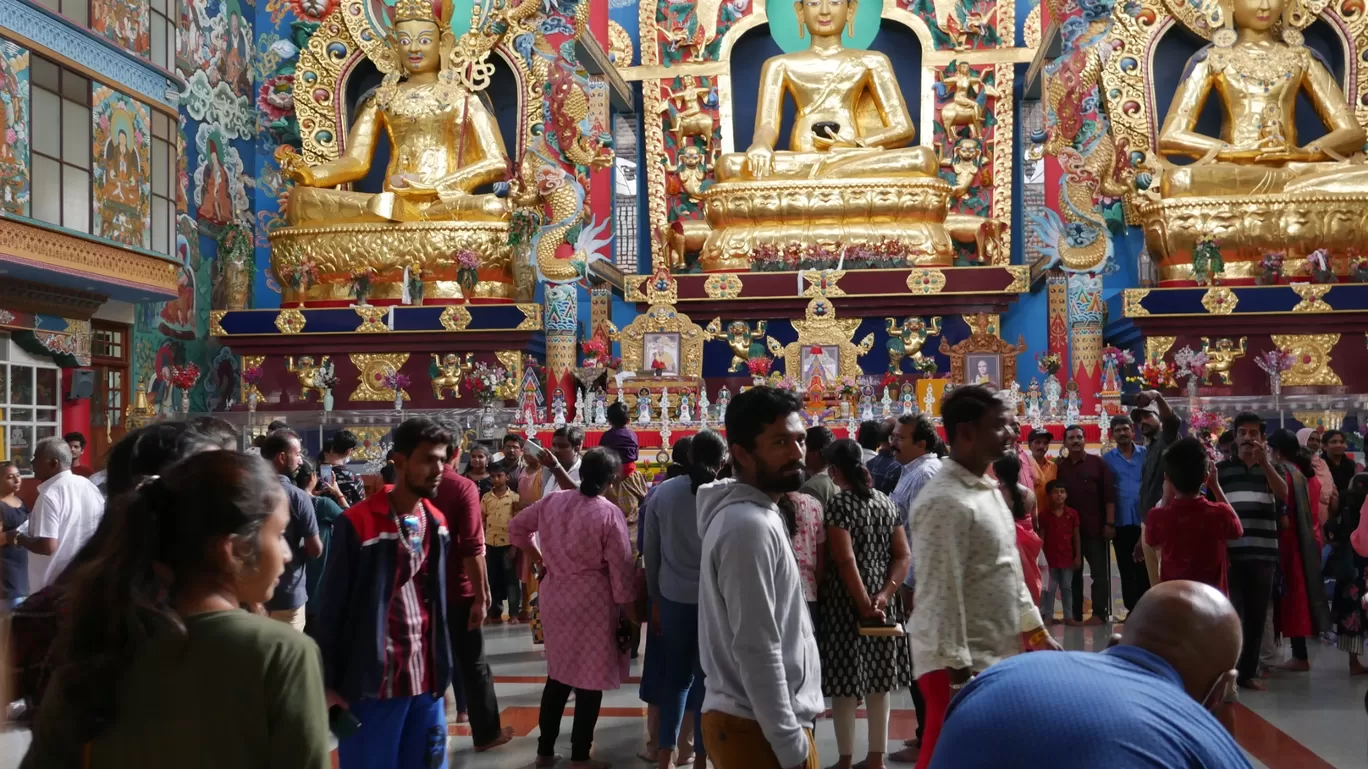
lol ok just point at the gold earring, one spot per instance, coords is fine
(850, 19)
(798, 13)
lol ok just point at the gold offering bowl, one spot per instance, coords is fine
(744, 215)
(340, 251)
(1247, 227)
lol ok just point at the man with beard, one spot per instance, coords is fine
(756, 643)
(287, 604)
(1045, 468)
(382, 627)
(973, 608)
(1126, 462)
(1160, 427)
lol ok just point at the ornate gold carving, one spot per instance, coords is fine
(370, 436)
(1132, 303)
(81, 256)
(1031, 30)
(216, 323)
(661, 288)
(372, 319)
(980, 344)
(619, 46)
(823, 282)
(982, 323)
(821, 328)
(512, 361)
(450, 371)
(532, 317)
(634, 287)
(1219, 300)
(1310, 359)
(662, 318)
(455, 318)
(723, 286)
(1312, 297)
(307, 373)
(1021, 279)
(1156, 347)
(925, 281)
(371, 369)
(1222, 355)
(290, 321)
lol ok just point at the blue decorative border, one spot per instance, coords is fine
(113, 64)
(1249, 300)
(425, 319)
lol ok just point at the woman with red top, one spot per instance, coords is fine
(1022, 502)
(1302, 610)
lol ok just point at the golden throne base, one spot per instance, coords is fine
(835, 213)
(1249, 226)
(340, 251)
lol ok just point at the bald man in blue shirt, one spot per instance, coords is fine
(1144, 703)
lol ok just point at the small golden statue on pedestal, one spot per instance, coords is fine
(1221, 357)
(907, 338)
(449, 370)
(307, 374)
(743, 341)
(1254, 188)
(443, 144)
(848, 175)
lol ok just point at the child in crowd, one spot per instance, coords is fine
(620, 438)
(497, 507)
(1187, 529)
(1063, 551)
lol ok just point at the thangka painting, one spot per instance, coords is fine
(14, 150)
(126, 22)
(122, 151)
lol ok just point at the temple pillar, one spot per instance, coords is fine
(561, 322)
(1085, 337)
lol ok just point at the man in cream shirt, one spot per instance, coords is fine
(972, 606)
(68, 509)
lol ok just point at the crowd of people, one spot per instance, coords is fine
(199, 591)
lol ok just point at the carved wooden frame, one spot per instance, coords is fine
(983, 344)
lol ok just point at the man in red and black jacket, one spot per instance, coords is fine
(382, 628)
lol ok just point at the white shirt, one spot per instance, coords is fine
(68, 509)
(972, 602)
(550, 485)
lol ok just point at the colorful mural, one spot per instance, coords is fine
(121, 146)
(125, 22)
(14, 151)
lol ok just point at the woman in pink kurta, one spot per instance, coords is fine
(588, 576)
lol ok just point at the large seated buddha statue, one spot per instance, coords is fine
(847, 176)
(1256, 188)
(444, 144)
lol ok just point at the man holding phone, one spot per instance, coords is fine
(563, 460)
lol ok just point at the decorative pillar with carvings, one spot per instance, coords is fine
(1057, 312)
(562, 313)
(1085, 336)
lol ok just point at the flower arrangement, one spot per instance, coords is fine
(487, 383)
(1154, 375)
(303, 276)
(890, 380)
(780, 382)
(1270, 269)
(1274, 361)
(253, 375)
(1318, 264)
(361, 284)
(413, 277)
(1207, 426)
(847, 388)
(326, 376)
(1190, 365)
(395, 381)
(467, 271)
(593, 349)
(1048, 363)
(1207, 263)
(760, 365)
(185, 376)
(1118, 357)
(657, 364)
(925, 365)
(887, 254)
(1358, 269)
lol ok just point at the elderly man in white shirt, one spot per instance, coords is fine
(68, 509)
(973, 608)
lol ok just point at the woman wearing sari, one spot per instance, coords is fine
(1329, 495)
(1348, 566)
(1301, 610)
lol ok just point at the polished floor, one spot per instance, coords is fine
(1310, 720)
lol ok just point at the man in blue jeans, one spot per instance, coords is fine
(382, 629)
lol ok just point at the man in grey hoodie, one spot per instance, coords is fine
(756, 642)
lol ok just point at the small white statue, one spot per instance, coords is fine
(887, 403)
(1013, 396)
(644, 407)
(558, 408)
(685, 410)
(581, 405)
(664, 404)
(867, 406)
(929, 401)
(600, 408)
(723, 400)
(1072, 408)
(909, 404)
(703, 405)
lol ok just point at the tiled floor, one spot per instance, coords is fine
(1310, 720)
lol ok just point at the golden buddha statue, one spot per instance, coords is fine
(851, 120)
(1255, 188)
(847, 176)
(1258, 78)
(444, 142)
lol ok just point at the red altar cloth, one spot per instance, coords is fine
(650, 438)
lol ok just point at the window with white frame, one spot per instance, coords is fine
(29, 398)
(60, 142)
(76, 10)
(163, 188)
(165, 17)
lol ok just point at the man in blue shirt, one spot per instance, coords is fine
(1127, 463)
(1146, 703)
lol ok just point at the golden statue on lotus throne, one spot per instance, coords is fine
(847, 176)
(1254, 188)
(444, 144)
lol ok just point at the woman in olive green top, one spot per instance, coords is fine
(159, 667)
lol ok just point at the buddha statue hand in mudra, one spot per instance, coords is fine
(444, 142)
(851, 120)
(1258, 65)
